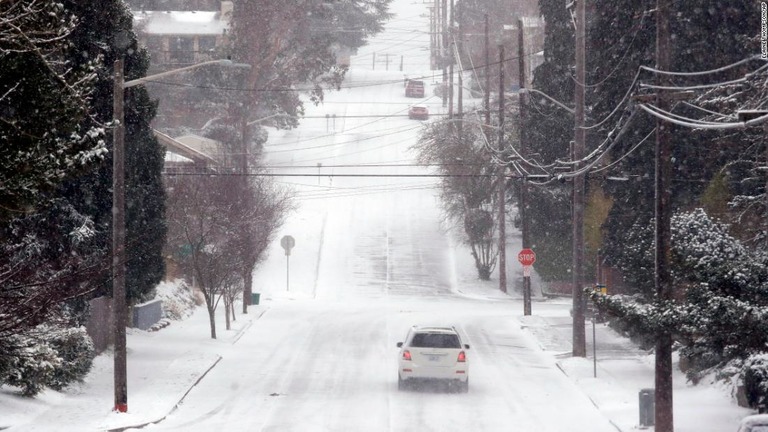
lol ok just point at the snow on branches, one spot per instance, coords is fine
(721, 287)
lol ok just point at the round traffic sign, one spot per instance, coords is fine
(287, 242)
(526, 257)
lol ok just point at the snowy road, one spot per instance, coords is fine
(371, 260)
(310, 365)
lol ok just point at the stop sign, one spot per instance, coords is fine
(526, 257)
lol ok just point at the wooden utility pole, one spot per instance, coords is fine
(487, 96)
(245, 137)
(451, 61)
(502, 183)
(459, 49)
(579, 332)
(444, 55)
(663, 188)
(119, 311)
(523, 183)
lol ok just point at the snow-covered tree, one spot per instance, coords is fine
(45, 102)
(45, 356)
(549, 131)
(105, 31)
(469, 189)
(621, 38)
(48, 136)
(722, 291)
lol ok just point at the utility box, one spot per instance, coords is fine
(145, 315)
(255, 298)
(647, 407)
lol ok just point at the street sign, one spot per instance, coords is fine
(526, 257)
(287, 242)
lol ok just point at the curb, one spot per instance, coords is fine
(590, 398)
(176, 406)
(241, 332)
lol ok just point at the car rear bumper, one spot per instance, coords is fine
(460, 373)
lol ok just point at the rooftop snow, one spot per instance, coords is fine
(181, 22)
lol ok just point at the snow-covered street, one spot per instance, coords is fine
(372, 258)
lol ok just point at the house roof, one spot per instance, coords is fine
(190, 147)
(181, 22)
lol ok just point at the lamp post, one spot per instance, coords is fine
(118, 219)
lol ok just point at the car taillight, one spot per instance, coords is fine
(462, 357)
(406, 355)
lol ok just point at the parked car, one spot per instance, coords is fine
(433, 354)
(418, 112)
(414, 88)
(754, 423)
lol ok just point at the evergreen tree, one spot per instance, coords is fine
(621, 39)
(47, 252)
(721, 317)
(105, 31)
(549, 131)
(44, 104)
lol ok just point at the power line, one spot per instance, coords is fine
(669, 117)
(300, 89)
(706, 72)
(355, 175)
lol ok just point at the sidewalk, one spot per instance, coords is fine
(174, 366)
(622, 370)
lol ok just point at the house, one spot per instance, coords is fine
(180, 38)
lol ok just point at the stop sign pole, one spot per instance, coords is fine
(287, 242)
(526, 257)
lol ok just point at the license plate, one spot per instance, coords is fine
(434, 358)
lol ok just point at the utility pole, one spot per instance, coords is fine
(245, 136)
(118, 241)
(579, 332)
(663, 280)
(434, 34)
(523, 182)
(459, 48)
(444, 52)
(450, 65)
(502, 183)
(487, 96)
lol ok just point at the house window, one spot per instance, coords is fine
(206, 45)
(181, 50)
(156, 50)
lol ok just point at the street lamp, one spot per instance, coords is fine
(253, 122)
(118, 218)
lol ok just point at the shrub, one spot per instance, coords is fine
(75, 350)
(46, 357)
(755, 378)
(30, 367)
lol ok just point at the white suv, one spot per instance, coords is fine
(433, 353)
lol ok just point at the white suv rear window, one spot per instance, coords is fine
(435, 340)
